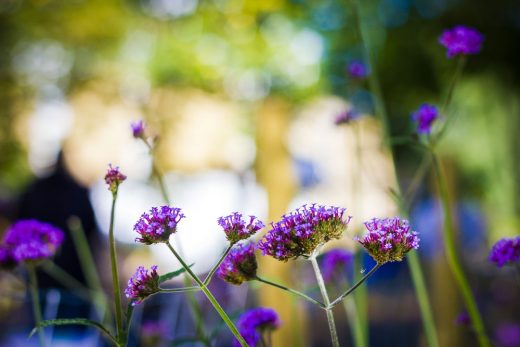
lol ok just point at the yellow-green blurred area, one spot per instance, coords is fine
(241, 97)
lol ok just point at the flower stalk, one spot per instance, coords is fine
(287, 289)
(33, 284)
(115, 274)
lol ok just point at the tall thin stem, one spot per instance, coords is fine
(33, 284)
(115, 274)
(210, 297)
(453, 258)
(215, 267)
(300, 294)
(358, 283)
(325, 295)
(356, 326)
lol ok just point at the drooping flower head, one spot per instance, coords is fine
(253, 323)
(31, 241)
(389, 239)
(299, 232)
(346, 116)
(237, 229)
(239, 265)
(338, 258)
(138, 129)
(158, 225)
(357, 69)
(114, 178)
(425, 116)
(142, 284)
(505, 251)
(461, 40)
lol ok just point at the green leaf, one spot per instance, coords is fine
(173, 274)
(73, 321)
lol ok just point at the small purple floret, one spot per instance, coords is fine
(299, 232)
(114, 178)
(346, 116)
(389, 239)
(158, 225)
(425, 116)
(461, 40)
(237, 229)
(357, 69)
(31, 240)
(239, 265)
(253, 323)
(142, 284)
(505, 251)
(138, 129)
(335, 259)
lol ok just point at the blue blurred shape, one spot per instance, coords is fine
(394, 13)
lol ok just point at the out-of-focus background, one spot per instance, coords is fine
(241, 96)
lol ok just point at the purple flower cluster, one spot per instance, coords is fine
(237, 229)
(29, 241)
(138, 129)
(299, 232)
(505, 251)
(334, 259)
(346, 116)
(357, 70)
(461, 40)
(114, 178)
(425, 116)
(158, 225)
(389, 239)
(142, 284)
(253, 323)
(508, 335)
(239, 265)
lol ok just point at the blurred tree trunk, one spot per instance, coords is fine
(275, 172)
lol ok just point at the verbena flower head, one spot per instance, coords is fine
(425, 116)
(346, 116)
(461, 40)
(335, 259)
(505, 251)
(239, 265)
(357, 70)
(299, 232)
(158, 225)
(389, 239)
(142, 284)
(114, 178)
(508, 335)
(138, 129)
(32, 241)
(236, 228)
(253, 323)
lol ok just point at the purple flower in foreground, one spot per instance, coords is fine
(239, 265)
(357, 69)
(158, 225)
(508, 335)
(114, 178)
(253, 323)
(299, 232)
(138, 129)
(505, 251)
(425, 115)
(31, 240)
(461, 40)
(142, 284)
(346, 117)
(334, 259)
(389, 239)
(237, 229)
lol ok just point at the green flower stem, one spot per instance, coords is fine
(66, 279)
(33, 284)
(306, 297)
(179, 290)
(210, 297)
(214, 269)
(328, 308)
(356, 326)
(360, 299)
(453, 258)
(115, 274)
(358, 283)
